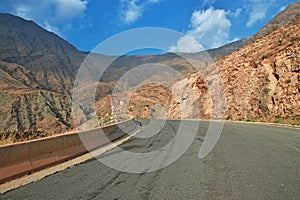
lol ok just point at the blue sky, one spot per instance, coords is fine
(86, 23)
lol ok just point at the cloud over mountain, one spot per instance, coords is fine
(258, 10)
(210, 28)
(50, 14)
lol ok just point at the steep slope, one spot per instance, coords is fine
(25, 106)
(52, 60)
(16, 77)
(286, 16)
(261, 80)
(41, 111)
(227, 49)
(37, 71)
(283, 18)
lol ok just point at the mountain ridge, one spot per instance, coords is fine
(37, 77)
(261, 82)
(51, 58)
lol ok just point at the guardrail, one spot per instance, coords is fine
(22, 158)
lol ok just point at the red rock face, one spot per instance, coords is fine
(262, 79)
(261, 82)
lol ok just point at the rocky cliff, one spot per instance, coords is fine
(261, 80)
(285, 17)
(37, 70)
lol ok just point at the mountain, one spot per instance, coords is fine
(38, 69)
(283, 18)
(261, 80)
(286, 16)
(53, 60)
(227, 48)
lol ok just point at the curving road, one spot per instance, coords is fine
(248, 162)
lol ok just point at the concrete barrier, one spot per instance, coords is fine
(25, 157)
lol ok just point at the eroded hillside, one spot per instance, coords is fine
(38, 70)
(261, 80)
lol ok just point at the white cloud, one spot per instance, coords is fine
(50, 14)
(186, 44)
(234, 40)
(207, 3)
(282, 8)
(258, 10)
(153, 1)
(132, 10)
(210, 28)
(52, 28)
(22, 11)
(70, 9)
(236, 13)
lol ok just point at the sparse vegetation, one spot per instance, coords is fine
(228, 117)
(106, 120)
(19, 136)
(265, 56)
(39, 98)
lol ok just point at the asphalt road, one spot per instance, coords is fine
(248, 162)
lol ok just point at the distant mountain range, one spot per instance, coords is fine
(38, 69)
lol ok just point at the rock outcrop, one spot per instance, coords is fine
(261, 80)
(260, 75)
(261, 83)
